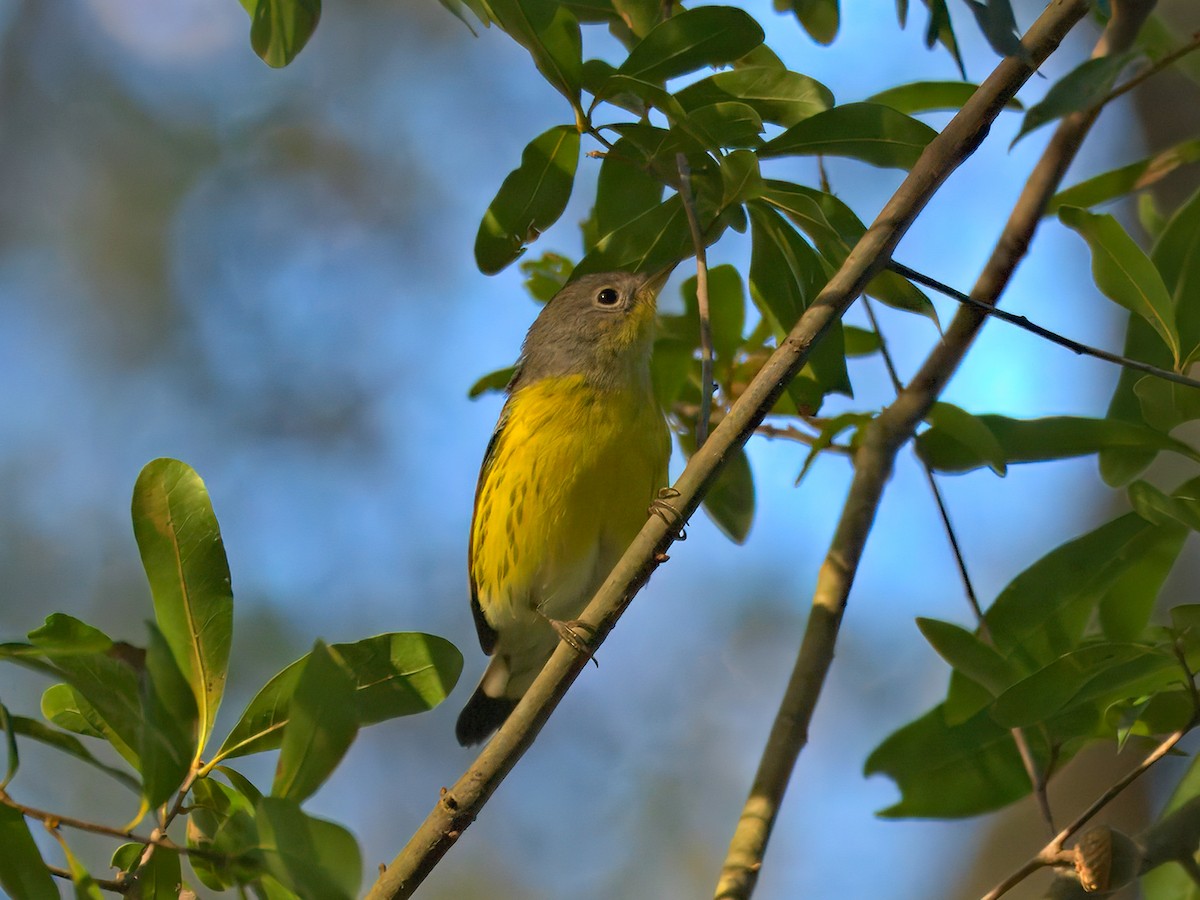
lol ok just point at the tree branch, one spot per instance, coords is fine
(459, 805)
(873, 464)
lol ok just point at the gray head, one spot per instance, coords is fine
(600, 326)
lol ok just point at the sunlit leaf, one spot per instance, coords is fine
(860, 341)
(1035, 440)
(725, 124)
(397, 674)
(689, 40)
(279, 29)
(1127, 179)
(776, 94)
(927, 96)
(530, 199)
(180, 544)
(869, 132)
(740, 177)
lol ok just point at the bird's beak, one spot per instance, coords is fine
(654, 281)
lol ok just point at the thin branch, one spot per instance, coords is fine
(1037, 779)
(1051, 854)
(881, 440)
(706, 344)
(1153, 69)
(459, 805)
(117, 887)
(53, 820)
(1022, 322)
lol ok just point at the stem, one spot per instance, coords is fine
(706, 346)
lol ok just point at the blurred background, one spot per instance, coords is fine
(269, 275)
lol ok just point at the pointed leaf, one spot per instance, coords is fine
(929, 96)
(971, 432)
(776, 94)
(530, 200)
(181, 548)
(279, 29)
(1126, 606)
(550, 33)
(649, 242)
(317, 859)
(1081, 88)
(42, 733)
(725, 124)
(171, 725)
(869, 132)
(818, 17)
(22, 872)
(221, 822)
(1055, 437)
(159, 879)
(1127, 179)
(396, 674)
(692, 39)
(1124, 273)
(966, 653)
(624, 191)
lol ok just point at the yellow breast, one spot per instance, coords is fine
(563, 493)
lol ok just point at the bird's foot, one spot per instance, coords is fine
(668, 513)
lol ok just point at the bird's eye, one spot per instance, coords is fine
(607, 297)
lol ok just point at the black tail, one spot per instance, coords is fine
(481, 716)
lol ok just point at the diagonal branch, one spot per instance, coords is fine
(873, 464)
(459, 805)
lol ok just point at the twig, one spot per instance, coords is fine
(1024, 323)
(459, 805)
(54, 820)
(108, 884)
(1037, 779)
(706, 345)
(1051, 854)
(881, 440)
(1153, 69)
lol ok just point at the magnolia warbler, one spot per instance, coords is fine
(579, 453)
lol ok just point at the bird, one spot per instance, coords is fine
(580, 451)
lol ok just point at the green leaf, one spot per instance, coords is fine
(966, 653)
(159, 878)
(860, 341)
(835, 229)
(13, 754)
(221, 822)
(1065, 681)
(689, 40)
(971, 432)
(81, 879)
(951, 771)
(102, 697)
(1165, 404)
(546, 275)
(776, 94)
(1042, 612)
(317, 859)
(279, 29)
(928, 96)
(396, 674)
(1174, 837)
(939, 29)
(624, 191)
(1034, 440)
(818, 17)
(492, 382)
(1124, 273)
(550, 33)
(171, 727)
(670, 365)
(649, 242)
(1126, 606)
(726, 124)
(730, 501)
(740, 177)
(181, 548)
(829, 432)
(1155, 506)
(786, 275)
(869, 132)
(727, 309)
(22, 873)
(999, 26)
(322, 724)
(63, 635)
(1177, 256)
(639, 95)
(1127, 179)
(530, 200)
(1082, 88)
